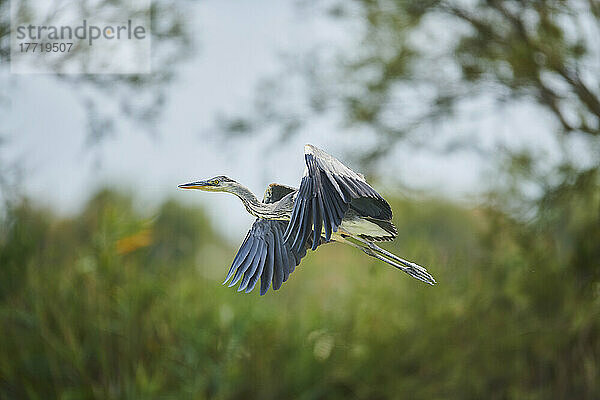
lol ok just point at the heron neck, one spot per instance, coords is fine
(252, 204)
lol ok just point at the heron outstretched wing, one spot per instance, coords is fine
(327, 190)
(265, 255)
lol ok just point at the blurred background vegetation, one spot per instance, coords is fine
(122, 301)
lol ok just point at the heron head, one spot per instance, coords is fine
(217, 184)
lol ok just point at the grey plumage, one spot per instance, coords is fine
(333, 204)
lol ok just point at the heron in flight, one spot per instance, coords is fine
(333, 204)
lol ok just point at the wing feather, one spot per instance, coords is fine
(246, 263)
(318, 220)
(259, 257)
(327, 216)
(267, 274)
(258, 271)
(263, 255)
(279, 260)
(326, 191)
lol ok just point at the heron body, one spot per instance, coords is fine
(332, 204)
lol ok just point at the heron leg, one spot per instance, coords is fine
(402, 261)
(417, 273)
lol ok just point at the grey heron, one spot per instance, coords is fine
(333, 204)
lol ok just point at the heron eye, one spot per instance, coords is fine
(215, 182)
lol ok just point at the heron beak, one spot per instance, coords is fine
(195, 185)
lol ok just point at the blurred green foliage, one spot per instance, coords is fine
(111, 303)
